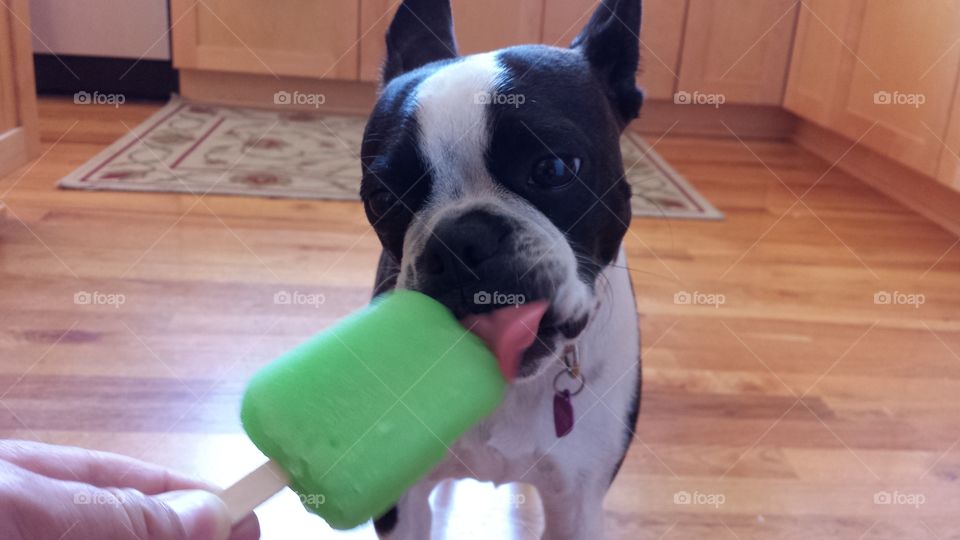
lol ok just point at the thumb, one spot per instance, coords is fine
(201, 514)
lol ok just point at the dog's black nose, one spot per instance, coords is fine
(465, 252)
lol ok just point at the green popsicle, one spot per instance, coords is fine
(360, 412)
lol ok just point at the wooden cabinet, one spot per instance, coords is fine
(19, 138)
(903, 79)
(738, 48)
(480, 26)
(888, 81)
(562, 21)
(304, 38)
(493, 24)
(660, 38)
(821, 55)
(949, 169)
(554, 22)
(375, 17)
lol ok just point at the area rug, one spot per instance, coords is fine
(210, 149)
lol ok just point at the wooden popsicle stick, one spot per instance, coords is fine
(254, 489)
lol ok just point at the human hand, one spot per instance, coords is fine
(60, 493)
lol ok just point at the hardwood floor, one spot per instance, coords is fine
(794, 406)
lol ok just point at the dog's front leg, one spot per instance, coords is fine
(411, 518)
(575, 512)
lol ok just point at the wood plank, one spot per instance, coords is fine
(936, 200)
(344, 97)
(660, 116)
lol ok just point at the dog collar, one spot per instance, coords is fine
(563, 416)
(564, 391)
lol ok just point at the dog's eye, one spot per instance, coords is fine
(555, 172)
(382, 202)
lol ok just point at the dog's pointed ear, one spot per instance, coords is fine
(421, 32)
(611, 44)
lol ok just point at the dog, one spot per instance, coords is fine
(499, 176)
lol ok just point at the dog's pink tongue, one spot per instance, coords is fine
(508, 332)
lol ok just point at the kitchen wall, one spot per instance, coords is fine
(111, 28)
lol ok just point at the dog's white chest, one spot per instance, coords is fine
(519, 443)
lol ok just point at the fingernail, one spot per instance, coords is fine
(202, 514)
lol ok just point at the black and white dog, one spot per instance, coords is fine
(499, 175)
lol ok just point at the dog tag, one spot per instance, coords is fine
(562, 413)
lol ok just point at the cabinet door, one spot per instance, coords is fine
(19, 139)
(900, 85)
(821, 58)
(949, 172)
(494, 24)
(738, 48)
(8, 90)
(660, 38)
(480, 26)
(302, 38)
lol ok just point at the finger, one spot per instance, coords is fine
(247, 528)
(100, 469)
(202, 515)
